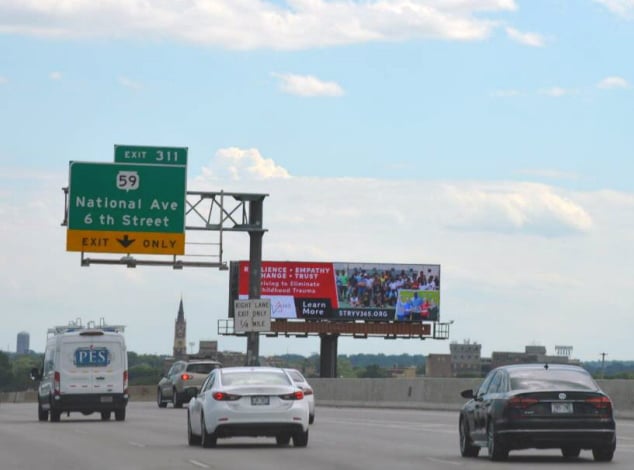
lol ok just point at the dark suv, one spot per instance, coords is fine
(183, 381)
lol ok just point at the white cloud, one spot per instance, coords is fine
(251, 24)
(624, 8)
(613, 82)
(528, 208)
(515, 208)
(55, 75)
(238, 164)
(557, 92)
(131, 84)
(528, 39)
(307, 85)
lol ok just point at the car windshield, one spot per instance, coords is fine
(201, 368)
(254, 378)
(550, 379)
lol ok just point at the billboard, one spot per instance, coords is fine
(343, 291)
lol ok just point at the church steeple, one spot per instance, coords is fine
(180, 330)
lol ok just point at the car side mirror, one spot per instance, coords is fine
(467, 394)
(35, 374)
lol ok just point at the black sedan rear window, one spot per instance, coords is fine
(551, 379)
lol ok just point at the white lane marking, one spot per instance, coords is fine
(198, 464)
(136, 444)
(432, 459)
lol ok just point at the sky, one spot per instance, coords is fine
(491, 137)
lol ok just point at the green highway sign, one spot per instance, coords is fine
(126, 197)
(150, 155)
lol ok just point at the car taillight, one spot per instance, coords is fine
(522, 402)
(56, 383)
(308, 391)
(222, 396)
(186, 376)
(297, 395)
(599, 402)
(125, 382)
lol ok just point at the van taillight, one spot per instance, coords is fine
(125, 382)
(56, 383)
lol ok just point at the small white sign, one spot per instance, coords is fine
(252, 315)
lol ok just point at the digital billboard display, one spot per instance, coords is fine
(344, 291)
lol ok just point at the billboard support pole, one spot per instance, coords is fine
(328, 355)
(255, 274)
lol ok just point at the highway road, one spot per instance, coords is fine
(341, 439)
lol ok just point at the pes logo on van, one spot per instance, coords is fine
(92, 357)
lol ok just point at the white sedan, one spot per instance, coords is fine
(248, 401)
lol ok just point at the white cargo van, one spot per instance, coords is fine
(85, 370)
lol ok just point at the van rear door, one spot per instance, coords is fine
(92, 364)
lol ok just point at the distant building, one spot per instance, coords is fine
(466, 359)
(180, 334)
(438, 365)
(232, 358)
(402, 372)
(206, 350)
(23, 343)
(531, 354)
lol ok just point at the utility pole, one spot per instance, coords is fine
(603, 364)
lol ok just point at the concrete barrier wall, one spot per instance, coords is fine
(421, 393)
(434, 393)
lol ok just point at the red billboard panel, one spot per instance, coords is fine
(345, 291)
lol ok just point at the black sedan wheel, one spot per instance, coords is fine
(467, 449)
(603, 454)
(496, 450)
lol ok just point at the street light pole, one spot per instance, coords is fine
(603, 364)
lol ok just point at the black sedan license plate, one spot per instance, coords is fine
(255, 401)
(559, 408)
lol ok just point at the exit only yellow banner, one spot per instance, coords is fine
(125, 242)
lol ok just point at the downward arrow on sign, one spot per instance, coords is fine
(125, 241)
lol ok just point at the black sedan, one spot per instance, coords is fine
(537, 406)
